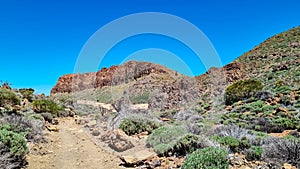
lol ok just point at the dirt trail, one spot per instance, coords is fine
(71, 148)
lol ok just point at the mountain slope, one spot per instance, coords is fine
(276, 64)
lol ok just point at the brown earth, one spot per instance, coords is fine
(70, 148)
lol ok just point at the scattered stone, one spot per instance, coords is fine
(52, 128)
(138, 158)
(95, 132)
(287, 166)
(92, 123)
(121, 145)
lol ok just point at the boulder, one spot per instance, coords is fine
(138, 158)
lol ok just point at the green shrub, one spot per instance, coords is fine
(207, 158)
(233, 143)
(27, 93)
(164, 138)
(254, 153)
(187, 144)
(43, 106)
(8, 97)
(136, 125)
(241, 90)
(15, 141)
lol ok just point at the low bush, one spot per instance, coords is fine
(283, 150)
(233, 131)
(47, 117)
(175, 140)
(13, 148)
(27, 93)
(9, 160)
(8, 97)
(241, 90)
(234, 144)
(254, 153)
(136, 125)
(207, 158)
(15, 141)
(187, 144)
(163, 139)
(46, 106)
(20, 124)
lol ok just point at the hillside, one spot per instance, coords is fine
(141, 82)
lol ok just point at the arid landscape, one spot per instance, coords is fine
(144, 115)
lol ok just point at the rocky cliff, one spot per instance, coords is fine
(114, 75)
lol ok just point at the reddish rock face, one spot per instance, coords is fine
(73, 82)
(114, 75)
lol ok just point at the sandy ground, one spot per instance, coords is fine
(71, 148)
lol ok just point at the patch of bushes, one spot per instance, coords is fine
(207, 158)
(241, 90)
(8, 97)
(136, 125)
(46, 106)
(20, 124)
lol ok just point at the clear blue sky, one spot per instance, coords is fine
(41, 40)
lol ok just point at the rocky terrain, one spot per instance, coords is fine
(143, 115)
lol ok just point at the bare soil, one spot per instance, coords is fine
(70, 148)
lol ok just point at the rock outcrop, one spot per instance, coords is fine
(114, 75)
